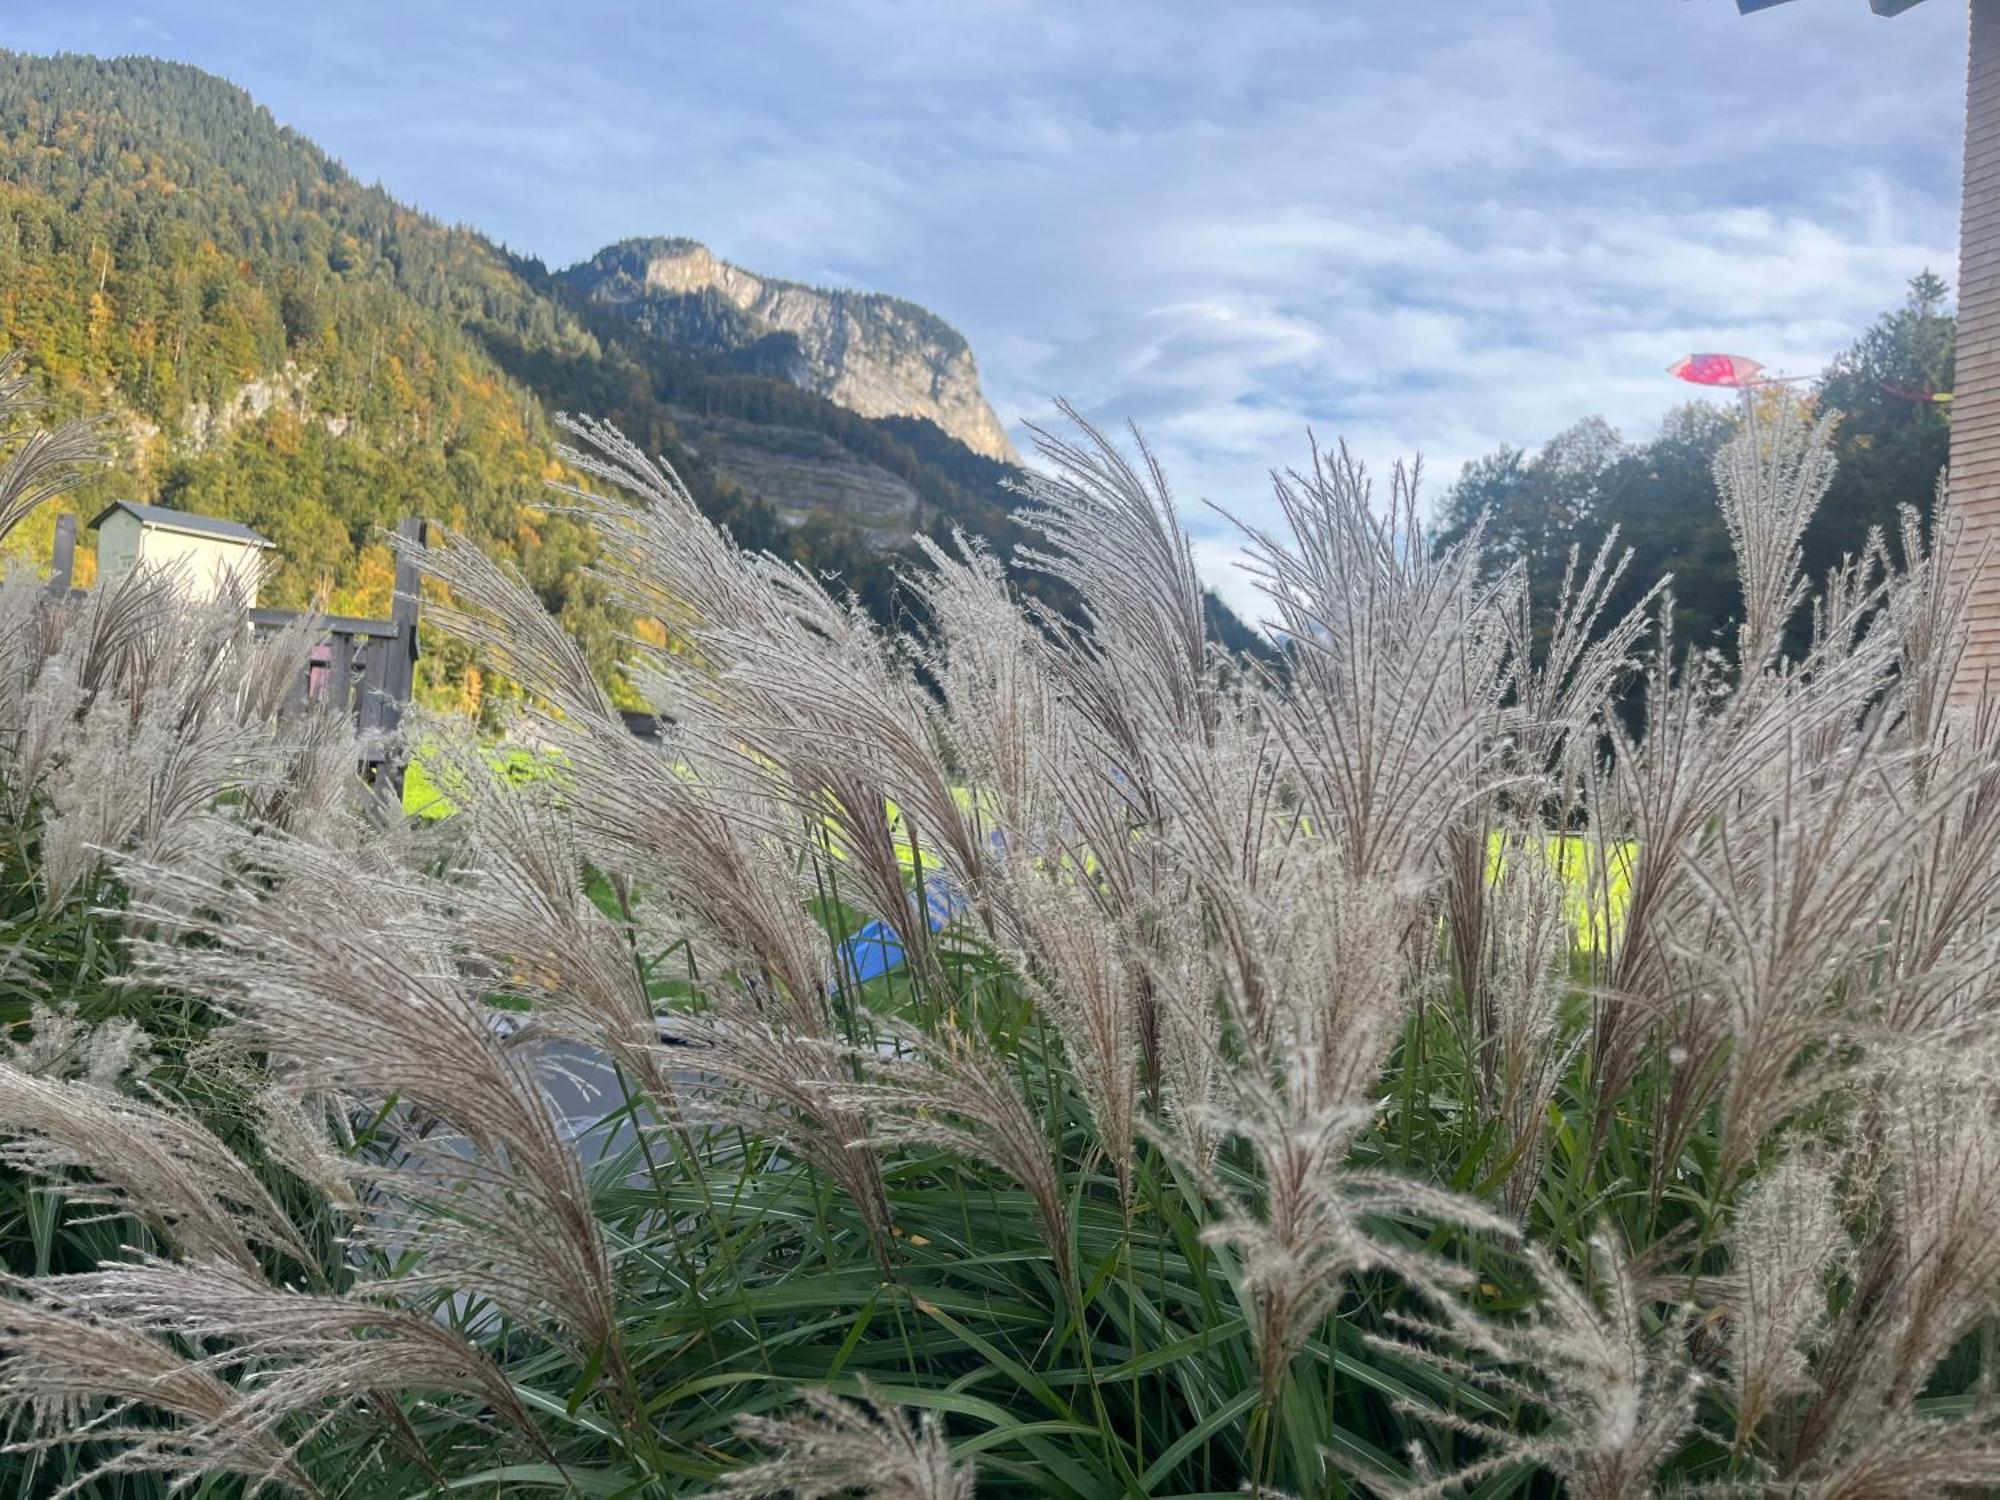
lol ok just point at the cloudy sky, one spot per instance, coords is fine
(1430, 226)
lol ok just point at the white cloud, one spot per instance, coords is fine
(1435, 228)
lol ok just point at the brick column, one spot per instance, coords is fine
(1975, 411)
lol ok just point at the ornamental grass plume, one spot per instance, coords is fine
(1612, 1385)
(1520, 1035)
(1770, 481)
(526, 904)
(314, 1349)
(144, 1158)
(840, 1447)
(41, 462)
(380, 1009)
(1399, 663)
(796, 1087)
(766, 667)
(1084, 973)
(952, 1091)
(1487, 1043)
(1791, 1240)
(1308, 1043)
(270, 1368)
(77, 1379)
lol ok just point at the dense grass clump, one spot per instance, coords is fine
(1380, 1071)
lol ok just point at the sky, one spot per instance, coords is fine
(1425, 227)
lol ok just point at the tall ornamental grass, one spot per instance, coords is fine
(1384, 1072)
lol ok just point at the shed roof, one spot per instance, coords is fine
(164, 518)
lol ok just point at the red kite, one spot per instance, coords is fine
(1719, 369)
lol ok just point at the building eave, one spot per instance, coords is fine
(241, 535)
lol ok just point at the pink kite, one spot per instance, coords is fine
(1718, 369)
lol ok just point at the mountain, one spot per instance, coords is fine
(276, 342)
(875, 355)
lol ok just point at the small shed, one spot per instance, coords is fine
(207, 548)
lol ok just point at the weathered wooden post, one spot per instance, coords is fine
(340, 675)
(400, 668)
(62, 561)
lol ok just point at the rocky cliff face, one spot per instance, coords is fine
(875, 355)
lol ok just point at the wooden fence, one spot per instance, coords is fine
(363, 669)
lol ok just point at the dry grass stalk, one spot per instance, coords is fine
(1231, 892)
(840, 1447)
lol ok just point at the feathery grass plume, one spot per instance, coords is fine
(1548, 736)
(773, 668)
(840, 1447)
(39, 691)
(1005, 728)
(1522, 1045)
(726, 868)
(79, 1379)
(1613, 1383)
(312, 1353)
(1081, 965)
(1790, 1240)
(1310, 1223)
(147, 1159)
(379, 1006)
(1295, 1095)
(1323, 1000)
(304, 1132)
(1767, 853)
(1942, 957)
(41, 462)
(1562, 689)
(308, 785)
(1187, 984)
(1655, 793)
(793, 1087)
(948, 1088)
(522, 902)
(659, 555)
(1931, 613)
(1564, 685)
(488, 603)
(1943, 1139)
(124, 784)
(1770, 480)
(1225, 825)
(61, 1044)
(1925, 1275)
(116, 636)
(1137, 679)
(58, 655)
(1791, 883)
(1399, 663)
(123, 746)
(1114, 536)
(842, 730)
(1706, 746)
(1906, 1454)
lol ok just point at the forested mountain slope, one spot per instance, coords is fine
(276, 342)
